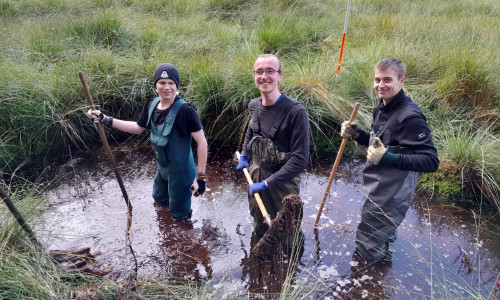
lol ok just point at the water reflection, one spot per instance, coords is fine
(181, 253)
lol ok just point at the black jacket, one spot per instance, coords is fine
(409, 129)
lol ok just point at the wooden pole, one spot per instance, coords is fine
(106, 145)
(335, 166)
(263, 210)
(18, 216)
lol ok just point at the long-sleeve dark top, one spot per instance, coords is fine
(408, 130)
(292, 136)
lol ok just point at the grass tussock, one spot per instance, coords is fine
(469, 164)
(468, 82)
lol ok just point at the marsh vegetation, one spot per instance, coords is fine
(450, 48)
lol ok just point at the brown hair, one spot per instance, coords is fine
(392, 63)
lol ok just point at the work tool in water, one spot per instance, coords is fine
(18, 216)
(285, 225)
(79, 260)
(106, 145)
(335, 166)
(263, 210)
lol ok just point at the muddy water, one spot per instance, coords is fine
(441, 250)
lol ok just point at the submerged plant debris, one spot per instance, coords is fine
(281, 234)
(79, 260)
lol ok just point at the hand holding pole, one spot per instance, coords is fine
(106, 145)
(263, 210)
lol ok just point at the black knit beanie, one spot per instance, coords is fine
(166, 71)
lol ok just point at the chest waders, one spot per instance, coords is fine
(176, 168)
(388, 192)
(266, 160)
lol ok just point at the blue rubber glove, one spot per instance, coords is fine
(258, 187)
(242, 163)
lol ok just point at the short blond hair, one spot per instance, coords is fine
(280, 68)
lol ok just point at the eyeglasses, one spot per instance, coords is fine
(269, 72)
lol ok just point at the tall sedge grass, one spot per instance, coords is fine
(468, 152)
(473, 150)
(468, 82)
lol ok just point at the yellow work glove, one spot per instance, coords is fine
(349, 130)
(377, 153)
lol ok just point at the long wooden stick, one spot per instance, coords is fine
(106, 145)
(263, 210)
(18, 216)
(335, 166)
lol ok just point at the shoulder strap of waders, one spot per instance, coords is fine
(283, 112)
(255, 119)
(169, 122)
(152, 108)
(394, 115)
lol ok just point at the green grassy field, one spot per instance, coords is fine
(450, 48)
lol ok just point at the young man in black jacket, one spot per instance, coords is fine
(399, 146)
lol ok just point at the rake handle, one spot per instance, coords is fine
(106, 144)
(335, 166)
(262, 208)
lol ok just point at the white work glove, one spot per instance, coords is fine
(198, 187)
(378, 154)
(349, 130)
(376, 151)
(97, 116)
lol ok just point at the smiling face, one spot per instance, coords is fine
(166, 89)
(268, 84)
(387, 84)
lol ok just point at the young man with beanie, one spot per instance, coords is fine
(173, 124)
(277, 140)
(399, 146)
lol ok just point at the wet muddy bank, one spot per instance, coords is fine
(441, 249)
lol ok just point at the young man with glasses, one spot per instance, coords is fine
(277, 140)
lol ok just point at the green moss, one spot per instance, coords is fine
(446, 181)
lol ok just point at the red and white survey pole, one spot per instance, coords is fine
(343, 37)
